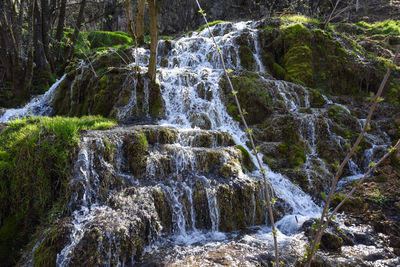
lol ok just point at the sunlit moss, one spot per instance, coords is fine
(35, 159)
(299, 18)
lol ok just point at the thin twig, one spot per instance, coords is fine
(318, 235)
(248, 131)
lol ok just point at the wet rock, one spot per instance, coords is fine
(200, 120)
(394, 241)
(136, 150)
(331, 241)
(363, 239)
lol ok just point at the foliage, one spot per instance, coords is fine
(35, 156)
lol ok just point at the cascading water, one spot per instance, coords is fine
(192, 65)
(180, 198)
(38, 106)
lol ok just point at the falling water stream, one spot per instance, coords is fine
(193, 99)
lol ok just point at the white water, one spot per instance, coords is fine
(193, 66)
(38, 106)
(193, 63)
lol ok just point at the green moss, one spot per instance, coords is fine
(233, 111)
(296, 34)
(91, 41)
(212, 23)
(107, 39)
(351, 204)
(104, 81)
(278, 71)
(283, 148)
(104, 98)
(156, 101)
(337, 113)
(317, 100)
(37, 153)
(386, 28)
(293, 154)
(393, 94)
(253, 96)
(246, 58)
(136, 152)
(298, 64)
(46, 253)
(247, 162)
(299, 18)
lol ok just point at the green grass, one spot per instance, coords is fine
(212, 23)
(35, 159)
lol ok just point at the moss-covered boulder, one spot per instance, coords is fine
(108, 88)
(136, 150)
(35, 161)
(246, 58)
(253, 96)
(328, 59)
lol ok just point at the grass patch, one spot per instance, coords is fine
(299, 18)
(35, 159)
(215, 22)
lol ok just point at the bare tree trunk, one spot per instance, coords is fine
(154, 10)
(60, 31)
(140, 21)
(129, 22)
(79, 21)
(61, 21)
(45, 27)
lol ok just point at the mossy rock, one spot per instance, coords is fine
(246, 58)
(253, 96)
(34, 173)
(351, 204)
(293, 154)
(236, 207)
(247, 162)
(299, 66)
(55, 239)
(331, 241)
(317, 100)
(295, 34)
(156, 102)
(163, 209)
(136, 151)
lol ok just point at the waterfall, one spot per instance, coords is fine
(193, 64)
(38, 106)
(177, 194)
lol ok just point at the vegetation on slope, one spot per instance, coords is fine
(35, 161)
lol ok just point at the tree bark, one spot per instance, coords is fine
(140, 21)
(60, 31)
(154, 10)
(78, 26)
(129, 22)
(45, 27)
